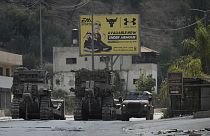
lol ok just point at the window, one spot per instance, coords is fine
(7, 72)
(122, 80)
(104, 59)
(145, 58)
(57, 82)
(134, 81)
(71, 60)
(1, 71)
(86, 59)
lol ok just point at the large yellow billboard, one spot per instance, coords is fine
(113, 34)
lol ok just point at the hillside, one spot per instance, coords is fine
(161, 21)
(158, 14)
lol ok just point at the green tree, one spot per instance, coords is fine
(164, 97)
(189, 66)
(118, 87)
(145, 83)
(199, 46)
(19, 30)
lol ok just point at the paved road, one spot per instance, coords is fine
(184, 126)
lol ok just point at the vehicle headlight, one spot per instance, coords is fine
(145, 105)
(123, 105)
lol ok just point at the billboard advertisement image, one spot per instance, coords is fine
(112, 34)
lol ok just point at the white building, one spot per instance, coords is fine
(8, 61)
(66, 59)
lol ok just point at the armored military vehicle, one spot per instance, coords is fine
(94, 95)
(32, 96)
(137, 104)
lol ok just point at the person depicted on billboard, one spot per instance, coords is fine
(99, 45)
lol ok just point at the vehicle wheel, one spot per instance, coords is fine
(125, 118)
(78, 109)
(148, 116)
(26, 112)
(151, 117)
(108, 112)
(62, 110)
(44, 108)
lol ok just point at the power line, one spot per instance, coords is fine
(173, 29)
(73, 7)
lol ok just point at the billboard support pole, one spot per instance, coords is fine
(111, 62)
(40, 31)
(92, 42)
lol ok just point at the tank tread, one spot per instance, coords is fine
(15, 108)
(107, 109)
(78, 109)
(44, 108)
(78, 114)
(106, 113)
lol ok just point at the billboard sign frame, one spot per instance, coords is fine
(115, 34)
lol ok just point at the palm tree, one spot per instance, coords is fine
(199, 46)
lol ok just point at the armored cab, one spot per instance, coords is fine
(32, 96)
(137, 104)
(94, 95)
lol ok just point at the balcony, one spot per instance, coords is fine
(10, 58)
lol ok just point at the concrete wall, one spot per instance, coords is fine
(6, 82)
(128, 70)
(5, 98)
(64, 81)
(2, 113)
(130, 75)
(59, 59)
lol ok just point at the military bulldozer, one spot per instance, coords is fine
(94, 95)
(32, 96)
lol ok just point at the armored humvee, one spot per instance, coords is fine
(137, 104)
(32, 96)
(94, 95)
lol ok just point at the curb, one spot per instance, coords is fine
(202, 114)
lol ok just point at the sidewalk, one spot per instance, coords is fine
(6, 118)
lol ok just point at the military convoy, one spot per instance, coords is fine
(94, 95)
(137, 104)
(32, 96)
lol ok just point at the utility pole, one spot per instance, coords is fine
(92, 42)
(40, 30)
(205, 17)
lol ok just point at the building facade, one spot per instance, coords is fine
(130, 68)
(8, 61)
